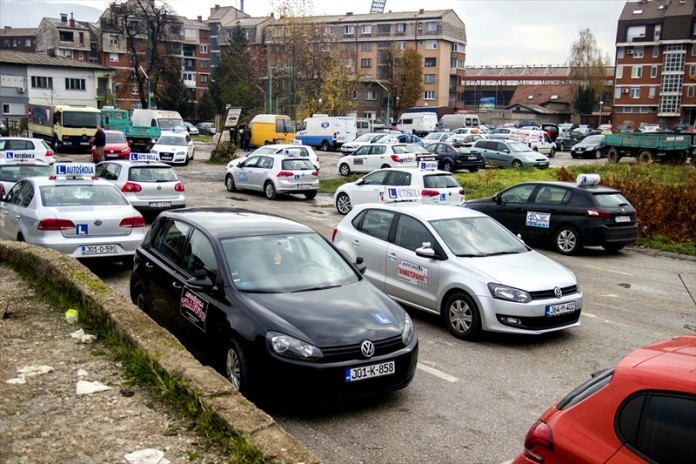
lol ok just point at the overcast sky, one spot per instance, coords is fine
(498, 32)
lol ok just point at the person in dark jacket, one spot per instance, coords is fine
(99, 143)
(246, 138)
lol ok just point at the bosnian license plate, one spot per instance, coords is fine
(557, 310)
(471, 157)
(99, 249)
(367, 372)
(160, 204)
(303, 186)
(622, 218)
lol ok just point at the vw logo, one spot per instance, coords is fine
(367, 348)
(557, 291)
(159, 187)
(98, 222)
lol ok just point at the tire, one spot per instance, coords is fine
(516, 163)
(611, 248)
(186, 161)
(567, 241)
(236, 367)
(269, 190)
(54, 144)
(343, 203)
(461, 316)
(562, 147)
(448, 166)
(140, 298)
(310, 195)
(324, 145)
(229, 183)
(613, 155)
(344, 170)
(552, 153)
(645, 156)
(598, 154)
(472, 170)
(193, 154)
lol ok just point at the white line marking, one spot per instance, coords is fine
(588, 314)
(437, 373)
(609, 270)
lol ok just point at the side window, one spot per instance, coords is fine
(399, 178)
(411, 234)
(266, 163)
(378, 150)
(24, 195)
(375, 178)
(377, 223)
(12, 196)
(280, 126)
(252, 162)
(550, 195)
(519, 194)
(113, 171)
(171, 239)
(199, 255)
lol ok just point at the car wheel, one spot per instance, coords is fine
(552, 152)
(193, 154)
(612, 248)
(310, 195)
(516, 163)
(448, 166)
(645, 156)
(573, 155)
(613, 155)
(270, 190)
(598, 154)
(229, 183)
(186, 160)
(473, 169)
(461, 316)
(140, 298)
(562, 148)
(343, 203)
(567, 240)
(324, 145)
(236, 367)
(344, 170)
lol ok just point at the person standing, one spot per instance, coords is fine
(99, 143)
(246, 138)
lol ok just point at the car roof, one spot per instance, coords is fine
(139, 163)
(669, 364)
(22, 138)
(14, 162)
(225, 222)
(424, 212)
(424, 172)
(574, 186)
(51, 180)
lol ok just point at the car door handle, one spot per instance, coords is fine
(392, 256)
(17, 216)
(177, 285)
(149, 265)
(356, 243)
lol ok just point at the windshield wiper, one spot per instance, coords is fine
(311, 289)
(498, 253)
(257, 291)
(469, 255)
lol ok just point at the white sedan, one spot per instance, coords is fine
(377, 156)
(175, 148)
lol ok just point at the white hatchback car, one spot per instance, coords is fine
(430, 186)
(25, 148)
(364, 139)
(12, 171)
(461, 265)
(289, 149)
(377, 156)
(175, 148)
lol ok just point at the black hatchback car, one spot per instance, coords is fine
(592, 146)
(453, 158)
(567, 215)
(272, 305)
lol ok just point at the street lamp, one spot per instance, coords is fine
(601, 104)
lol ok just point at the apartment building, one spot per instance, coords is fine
(655, 80)
(18, 39)
(196, 56)
(64, 37)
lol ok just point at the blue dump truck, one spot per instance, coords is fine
(667, 147)
(140, 138)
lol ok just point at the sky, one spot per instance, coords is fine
(499, 32)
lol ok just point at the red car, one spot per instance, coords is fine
(116, 146)
(642, 411)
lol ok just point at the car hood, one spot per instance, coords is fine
(516, 271)
(331, 317)
(170, 147)
(587, 145)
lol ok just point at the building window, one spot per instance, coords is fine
(354, 95)
(431, 44)
(401, 45)
(204, 64)
(204, 78)
(617, 92)
(369, 115)
(370, 95)
(366, 46)
(204, 49)
(619, 72)
(66, 36)
(653, 71)
(348, 30)
(635, 92)
(5, 108)
(635, 32)
(113, 57)
(652, 91)
(669, 104)
(401, 28)
(40, 82)
(366, 29)
(81, 55)
(429, 79)
(692, 70)
(636, 72)
(328, 30)
(27, 42)
(638, 52)
(690, 91)
(349, 47)
(656, 51)
(620, 52)
(431, 26)
(658, 30)
(384, 29)
(429, 95)
(430, 62)
(366, 63)
(74, 84)
(671, 83)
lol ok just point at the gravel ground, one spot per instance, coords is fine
(44, 420)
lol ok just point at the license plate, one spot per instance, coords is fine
(557, 310)
(367, 372)
(99, 250)
(304, 186)
(471, 158)
(622, 218)
(160, 204)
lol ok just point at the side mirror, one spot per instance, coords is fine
(360, 263)
(426, 251)
(498, 199)
(201, 281)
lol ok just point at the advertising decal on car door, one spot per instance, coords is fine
(194, 308)
(536, 219)
(413, 273)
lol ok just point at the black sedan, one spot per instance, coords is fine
(452, 157)
(567, 215)
(592, 146)
(564, 142)
(272, 305)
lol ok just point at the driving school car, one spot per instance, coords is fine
(72, 212)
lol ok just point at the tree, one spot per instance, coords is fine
(403, 72)
(173, 94)
(206, 109)
(588, 69)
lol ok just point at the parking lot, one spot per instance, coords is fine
(473, 402)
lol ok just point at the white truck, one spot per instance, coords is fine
(418, 123)
(537, 140)
(327, 132)
(167, 121)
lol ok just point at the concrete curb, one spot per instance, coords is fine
(67, 276)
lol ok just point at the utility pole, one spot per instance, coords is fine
(147, 78)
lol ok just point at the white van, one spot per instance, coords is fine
(364, 126)
(418, 123)
(167, 121)
(537, 140)
(457, 120)
(327, 132)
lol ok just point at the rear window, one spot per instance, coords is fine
(16, 172)
(152, 174)
(587, 389)
(609, 200)
(297, 165)
(81, 195)
(440, 181)
(115, 137)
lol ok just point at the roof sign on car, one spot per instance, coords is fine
(12, 155)
(588, 180)
(143, 157)
(393, 194)
(295, 142)
(74, 169)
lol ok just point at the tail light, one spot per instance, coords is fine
(538, 439)
(396, 159)
(2, 189)
(56, 224)
(49, 153)
(430, 193)
(131, 187)
(333, 234)
(598, 213)
(179, 187)
(285, 174)
(315, 173)
(133, 222)
(462, 192)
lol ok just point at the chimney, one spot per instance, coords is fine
(63, 17)
(217, 7)
(200, 19)
(72, 20)
(421, 11)
(241, 5)
(350, 13)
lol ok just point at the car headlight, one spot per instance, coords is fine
(181, 153)
(409, 331)
(503, 292)
(290, 347)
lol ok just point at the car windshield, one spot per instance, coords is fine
(152, 174)
(265, 151)
(433, 136)
(440, 181)
(169, 124)
(365, 138)
(593, 139)
(15, 172)
(302, 164)
(608, 200)
(477, 237)
(518, 147)
(81, 195)
(284, 263)
(172, 140)
(415, 149)
(115, 137)
(79, 119)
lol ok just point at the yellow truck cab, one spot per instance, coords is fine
(271, 128)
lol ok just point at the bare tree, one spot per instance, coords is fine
(588, 68)
(403, 72)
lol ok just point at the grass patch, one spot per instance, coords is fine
(331, 185)
(202, 138)
(660, 242)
